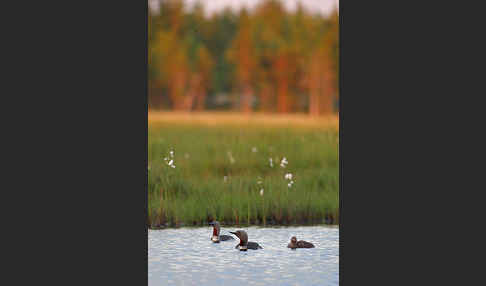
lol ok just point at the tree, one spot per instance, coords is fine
(283, 59)
(242, 53)
(222, 29)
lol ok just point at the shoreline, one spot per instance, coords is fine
(246, 226)
(270, 223)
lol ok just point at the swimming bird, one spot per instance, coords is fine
(216, 236)
(244, 244)
(299, 244)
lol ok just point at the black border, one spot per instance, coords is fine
(342, 94)
(80, 121)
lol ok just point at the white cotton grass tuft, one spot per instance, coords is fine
(171, 163)
(289, 177)
(254, 149)
(259, 180)
(230, 156)
(271, 162)
(261, 192)
(225, 179)
(284, 162)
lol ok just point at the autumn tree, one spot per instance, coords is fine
(276, 53)
(287, 61)
(222, 28)
(241, 53)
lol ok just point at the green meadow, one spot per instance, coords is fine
(223, 172)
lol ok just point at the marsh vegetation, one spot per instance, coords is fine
(242, 170)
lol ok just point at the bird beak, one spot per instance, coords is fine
(233, 233)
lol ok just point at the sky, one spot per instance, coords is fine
(211, 6)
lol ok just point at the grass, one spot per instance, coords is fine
(204, 145)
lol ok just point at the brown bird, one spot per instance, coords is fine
(216, 236)
(244, 244)
(299, 244)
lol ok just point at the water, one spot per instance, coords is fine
(186, 256)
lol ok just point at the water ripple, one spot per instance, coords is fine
(187, 257)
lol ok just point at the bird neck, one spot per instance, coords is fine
(215, 232)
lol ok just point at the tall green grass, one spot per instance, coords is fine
(195, 191)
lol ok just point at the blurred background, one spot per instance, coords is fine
(248, 56)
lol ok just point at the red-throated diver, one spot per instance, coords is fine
(216, 236)
(244, 243)
(299, 244)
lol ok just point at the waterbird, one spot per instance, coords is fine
(244, 244)
(299, 244)
(216, 236)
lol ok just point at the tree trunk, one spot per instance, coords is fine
(314, 102)
(283, 105)
(327, 88)
(201, 100)
(314, 85)
(266, 96)
(246, 99)
(282, 75)
(177, 87)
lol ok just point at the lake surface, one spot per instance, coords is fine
(186, 256)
